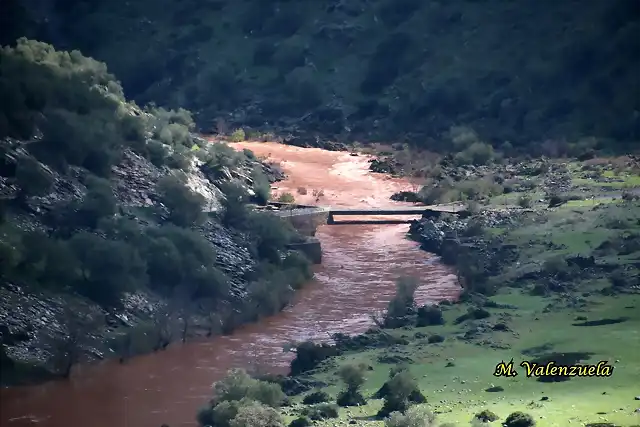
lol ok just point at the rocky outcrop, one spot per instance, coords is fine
(307, 141)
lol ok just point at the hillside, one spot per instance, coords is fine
(120, 230)
(370, 69)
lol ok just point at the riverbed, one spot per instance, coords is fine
(356, 279)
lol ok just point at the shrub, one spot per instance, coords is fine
(237, 135)
(184, 205)
(486, 416)
(435, 339)
(261, 187)
(429, 315)
(286, 198)
(353, 377)
(256, 415)
(300, 422)
(321, 412)
(477, 154)
(315, 397)
(402, 306)
(238, 385)
(415, 416)
(32, 178)
(99, 202)
(524, 201)
(107, 268)
(398, 393)
(309, 355)
(235, 212)
(519, 419)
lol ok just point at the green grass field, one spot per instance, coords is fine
(537, 327)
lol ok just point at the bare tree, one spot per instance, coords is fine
(126, 342)
(162, 326)
(66, 348)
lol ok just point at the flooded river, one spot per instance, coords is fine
(356, 278)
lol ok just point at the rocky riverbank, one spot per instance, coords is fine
(34, 322)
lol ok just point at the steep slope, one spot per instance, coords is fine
(513, 71)
(120, 230)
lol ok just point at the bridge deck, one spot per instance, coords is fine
(414, 210)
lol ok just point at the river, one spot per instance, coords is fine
(356, 279)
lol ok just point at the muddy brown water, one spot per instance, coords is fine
(356, 278)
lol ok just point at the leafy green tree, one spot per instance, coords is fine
(234, 206)
(402, 306)
(181, 257)
(185, 206)
(99, 202)
(32, 178)
(353, 376)
(270, 235)
(107, 268)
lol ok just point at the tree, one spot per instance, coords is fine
(234, 206)
(353, 377)
(32, 178)
(185, 206)
(270, 235)
(107, 268)
(402, 306)
(99, 202)
(67, 348)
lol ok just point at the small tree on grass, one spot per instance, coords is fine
(402, 306)
(353, 377)
(240, 400)
(399, 392)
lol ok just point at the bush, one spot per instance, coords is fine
(402, 306)
(398, 392)
(519, 419)
(321, 412)
(309, 355)
(524, 201)
(256, 415)
(261, 187)
(237, 135)
(99, 202)
(429, 315)
(316, 397)
(486, 416)
(415, 416)
(286, 198)
(353, 377)
(107, 268)
(185, 206)
(238, 385)
(32, 178)
(300, 422)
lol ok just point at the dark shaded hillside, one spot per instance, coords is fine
(120, 230)
(513, 71)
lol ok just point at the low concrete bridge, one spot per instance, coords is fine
(307, 218)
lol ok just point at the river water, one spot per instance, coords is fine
(356, 279)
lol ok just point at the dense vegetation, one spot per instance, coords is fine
(513, 71)
(65, 128)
